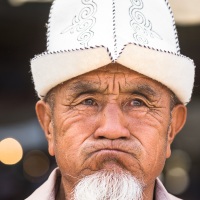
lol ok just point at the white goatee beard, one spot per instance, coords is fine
(108, 185)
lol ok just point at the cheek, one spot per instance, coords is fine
(151, 131)
(150, 124)
(72, 131)
(76, 119)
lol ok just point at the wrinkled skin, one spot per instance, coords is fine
(112, 118)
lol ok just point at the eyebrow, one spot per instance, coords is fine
(146, 89)
(84, 87)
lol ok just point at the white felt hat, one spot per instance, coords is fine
(84, 35)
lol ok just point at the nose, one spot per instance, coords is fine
(113, 124)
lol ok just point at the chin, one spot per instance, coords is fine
(112, 161)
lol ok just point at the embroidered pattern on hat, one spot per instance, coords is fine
(142, 27)
(83, 23)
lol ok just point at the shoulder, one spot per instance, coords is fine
(161, 193)
(47, 191)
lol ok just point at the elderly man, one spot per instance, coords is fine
(113, 88)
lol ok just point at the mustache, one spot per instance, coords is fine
(132, 148)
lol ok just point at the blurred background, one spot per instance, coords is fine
(24, 160)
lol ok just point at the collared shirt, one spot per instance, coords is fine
(49, 189)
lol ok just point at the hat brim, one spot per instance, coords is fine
(174, 71)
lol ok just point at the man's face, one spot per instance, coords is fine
(110, 119)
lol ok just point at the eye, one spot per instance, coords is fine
(89, 102)
(137, 103)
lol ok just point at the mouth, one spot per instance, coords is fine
(118, 158)
(109, 151)
(106, 155)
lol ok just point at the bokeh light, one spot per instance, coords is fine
(177, 172)
(177, 181)
(179, 158)
(11, 151)
(36, 164)
(186, 12)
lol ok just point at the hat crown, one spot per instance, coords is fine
(80, 24)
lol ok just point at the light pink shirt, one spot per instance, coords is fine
(49, 189)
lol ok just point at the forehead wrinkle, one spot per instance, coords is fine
(89, 84)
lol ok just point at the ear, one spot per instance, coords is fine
(179, 115)
(44, 115)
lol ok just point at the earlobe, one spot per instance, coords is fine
(43, 112)
(178, 119)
